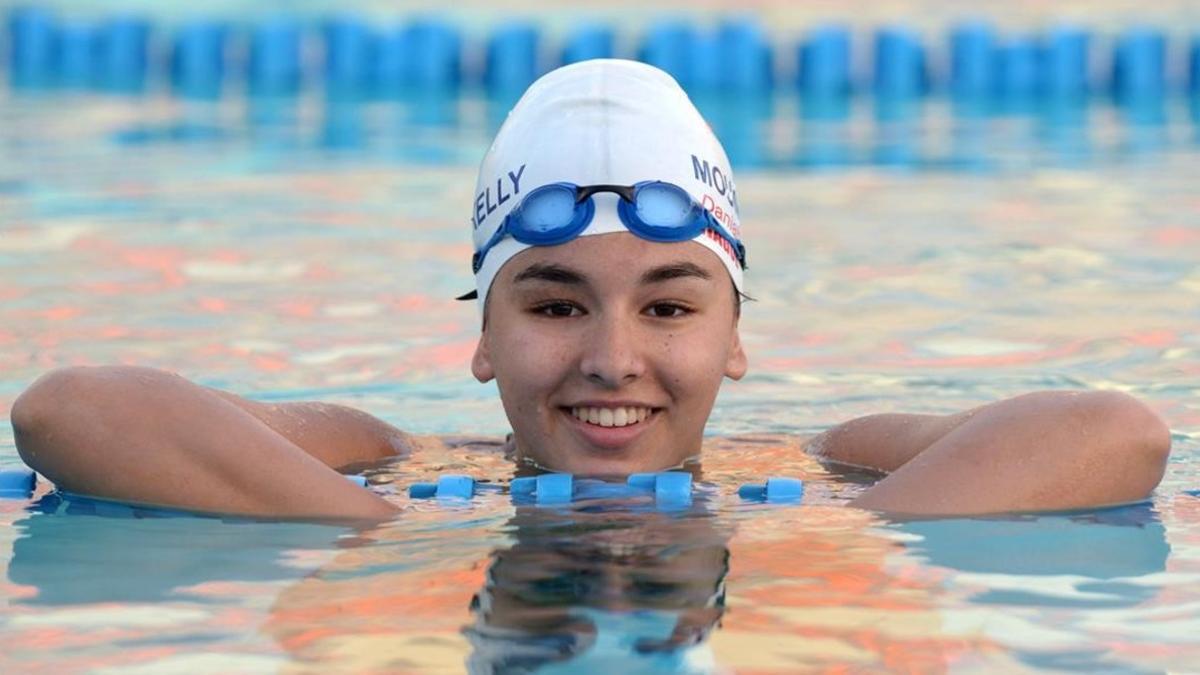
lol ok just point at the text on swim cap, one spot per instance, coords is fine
(723, 217)
(484, 205)
(712, 176)
(722, 242)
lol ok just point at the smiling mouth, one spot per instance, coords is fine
(624, 416)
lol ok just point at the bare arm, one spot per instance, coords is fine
(146, 436)
(1043, 451)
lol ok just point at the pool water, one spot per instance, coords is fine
(928, 263)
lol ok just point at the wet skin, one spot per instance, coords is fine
(610, 321)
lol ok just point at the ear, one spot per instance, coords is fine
(736, 363)
(481, 361)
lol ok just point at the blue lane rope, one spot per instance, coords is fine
(345, 54)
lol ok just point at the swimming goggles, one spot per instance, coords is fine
(557, 213)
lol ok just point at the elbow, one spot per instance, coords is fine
(1136, 434)
(44, 406)
(34, 408)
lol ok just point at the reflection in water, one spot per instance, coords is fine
(273, 122)
(601, 589)
(342, 127)
(433, 108)
(612, 585)
(1124, 542)
(1145, 124)
(970, 140)
(824, 135)
(898, 132)
(1049, 575)
(759, 131)
(83, 551)
(1063, 131)
(740, 122)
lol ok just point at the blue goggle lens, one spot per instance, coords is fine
(548, 209)
(663, 205)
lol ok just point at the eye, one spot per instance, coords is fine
(558, 309)
(668, 310)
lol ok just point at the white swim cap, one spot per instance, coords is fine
(602, 122)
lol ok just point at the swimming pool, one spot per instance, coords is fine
(923, 262)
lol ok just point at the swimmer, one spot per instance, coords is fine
(609, 269)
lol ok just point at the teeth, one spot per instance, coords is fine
(611, 417)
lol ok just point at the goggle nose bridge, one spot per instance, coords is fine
(626, 192)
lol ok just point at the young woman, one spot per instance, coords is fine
(609, 274)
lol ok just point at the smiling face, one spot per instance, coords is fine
(609, 351)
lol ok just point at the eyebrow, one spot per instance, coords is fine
(680, 270)
(560, 274)
(549, 272)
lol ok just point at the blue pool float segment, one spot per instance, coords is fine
(589, 41)
(1193, 67)
(973, 61)
(122, 54)
(673, 46)
(17, 483)
(451, 486)
(670, 489)
(1064, 66)
(1018, 69)
(1139, 65)
(746, 65)
(393, 62)
(424, 55)
(899, 63)
(669, 486)
(437, 55)
(512, 58)
(32, 47)
(349, 54)
(77, 55)
(823, 61)
(274, 63)
(197, 60)
(777, 490)
(549, 488)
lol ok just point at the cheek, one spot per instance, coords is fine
(696, 360)
(528, 361)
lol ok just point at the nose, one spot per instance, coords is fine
(613, 354)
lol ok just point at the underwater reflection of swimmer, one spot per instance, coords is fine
(1099, 550)
(74, 551)
(590, 591)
